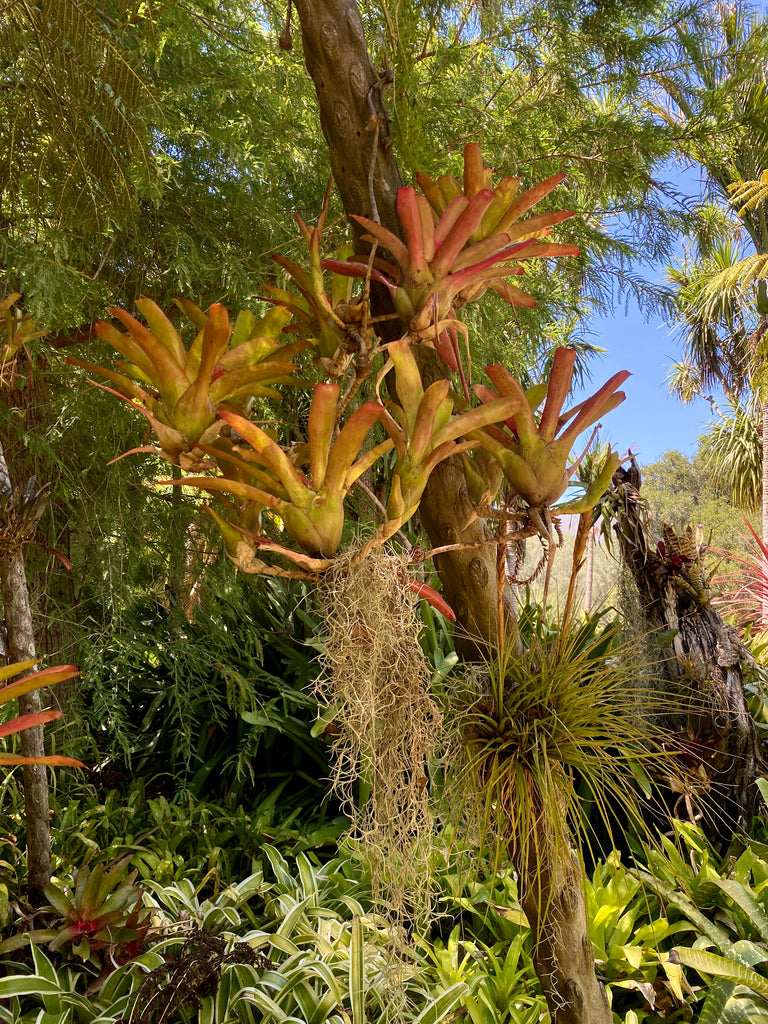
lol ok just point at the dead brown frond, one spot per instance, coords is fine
(182, 981)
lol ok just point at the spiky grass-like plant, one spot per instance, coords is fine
(566, 712)
(570, 709)
(375, 688)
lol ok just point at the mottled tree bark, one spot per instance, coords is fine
(552, 898)
(21, 647)
(28, 405)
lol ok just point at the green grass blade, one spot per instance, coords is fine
(356, 973)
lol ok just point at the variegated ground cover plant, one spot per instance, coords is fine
(680, 936)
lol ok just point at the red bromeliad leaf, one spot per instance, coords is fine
(56, 760)
(452, 262)
(45, 677)
(29, 721)
(533, 455)
(429, 594)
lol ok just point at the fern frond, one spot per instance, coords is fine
(77, 115)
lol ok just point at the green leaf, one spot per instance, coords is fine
(27, 985)
(440, 1007)
(268, 1006)
(710, 963)
(718, 994)
(744, 899)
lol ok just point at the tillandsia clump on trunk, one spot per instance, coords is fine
(375, 695)
(563, 718)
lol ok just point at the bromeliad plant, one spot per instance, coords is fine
(456, 245)
(18, 688)
(332, 322)
(180, 390)
(16, 330)
(534, 454)
(100, 920)
(310, 507)
(425, 432)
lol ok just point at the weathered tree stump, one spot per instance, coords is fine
(701, 661)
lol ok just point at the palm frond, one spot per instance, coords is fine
(730, 287)
(684, 381)
(733, 453)
(749, 194)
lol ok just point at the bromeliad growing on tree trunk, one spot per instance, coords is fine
(456, 243)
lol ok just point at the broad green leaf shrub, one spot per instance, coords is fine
(320, 958)
(681, 936)
(686, 934)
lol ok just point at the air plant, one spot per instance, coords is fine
(534, 454)
(20, 687)
(265, 477)
(425, 432)
(562, 707)
(179, 390)
(454, 251)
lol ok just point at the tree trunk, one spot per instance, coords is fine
(764, 601)
(28, 411)
(715, 727)
(553, 901)
(348, 91)
(21, 647)
(366, 174)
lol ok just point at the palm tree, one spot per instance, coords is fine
(720, 101)
(733, 450)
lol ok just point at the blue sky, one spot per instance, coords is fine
(650, 421)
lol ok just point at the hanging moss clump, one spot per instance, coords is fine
(375, 689)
